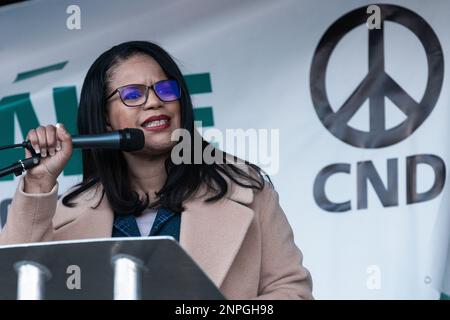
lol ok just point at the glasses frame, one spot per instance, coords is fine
(147, 90)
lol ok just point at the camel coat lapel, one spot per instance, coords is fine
(212, 233)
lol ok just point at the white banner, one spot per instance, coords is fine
(357, 93)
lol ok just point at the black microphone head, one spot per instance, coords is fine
(131, 139)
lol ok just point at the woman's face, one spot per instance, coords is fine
(143, 69)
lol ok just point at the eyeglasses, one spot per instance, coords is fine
(136, 95)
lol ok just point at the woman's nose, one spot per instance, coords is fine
(153, 102)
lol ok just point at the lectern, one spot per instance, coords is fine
(113, 268)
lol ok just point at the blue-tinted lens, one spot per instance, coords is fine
(167, 90)
(133, 95)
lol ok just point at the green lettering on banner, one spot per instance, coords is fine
(205, 115)
(17, 105)
(200, 83)
(66, 108)
(37, 72)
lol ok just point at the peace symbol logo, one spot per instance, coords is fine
(377, 84)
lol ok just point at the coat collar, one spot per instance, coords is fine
(211, 233)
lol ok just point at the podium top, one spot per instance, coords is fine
(168, 272)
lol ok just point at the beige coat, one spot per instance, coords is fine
(243, 242)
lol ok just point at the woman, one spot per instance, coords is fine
(226, 216)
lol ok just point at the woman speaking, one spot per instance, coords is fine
(225, 215)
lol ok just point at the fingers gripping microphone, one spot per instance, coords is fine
(125, 140)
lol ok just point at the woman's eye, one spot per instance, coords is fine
(132, 95)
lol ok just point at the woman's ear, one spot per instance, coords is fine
(108, 124)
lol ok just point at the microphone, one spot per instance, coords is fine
(125, 140)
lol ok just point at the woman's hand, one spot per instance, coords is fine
(54, 144)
